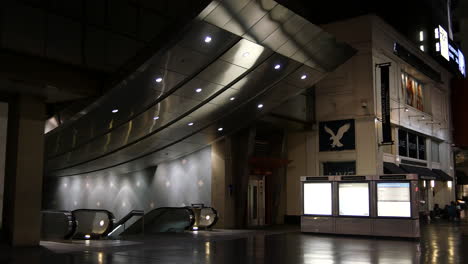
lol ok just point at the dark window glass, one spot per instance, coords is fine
(339, 168)
(421, 147)
(402, 143)
(412, 146)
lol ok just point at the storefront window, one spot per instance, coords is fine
(412, 91)
(411, 145)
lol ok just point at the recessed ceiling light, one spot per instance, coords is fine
(245, 54)
(156, 117)
(190, 124)
(159, 79)
(232, 98)
(406, 109)
(207, 39)
(115, 111)
(277, 67)
(303, 77)
(260, 105)
(220, 129)
(198, 90)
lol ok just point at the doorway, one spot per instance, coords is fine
(256, 200)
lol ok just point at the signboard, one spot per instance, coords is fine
(385, 102)
(339, 168)
(337, 135)
(461, 63)
(444, 45)
(353, 199)
(393, 199)
(317, 198)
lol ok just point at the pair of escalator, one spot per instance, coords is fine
(97, 224)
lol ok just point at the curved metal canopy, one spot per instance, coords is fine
(205, 84)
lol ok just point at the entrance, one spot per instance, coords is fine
(256, 200)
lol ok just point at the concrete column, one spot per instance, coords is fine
(221, 195)
(24, 171)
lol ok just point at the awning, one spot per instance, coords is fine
(423, 173)
(392, 168)
(444, 176)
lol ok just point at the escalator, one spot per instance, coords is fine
(99, 224)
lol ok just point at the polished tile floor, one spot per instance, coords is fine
(442, 242)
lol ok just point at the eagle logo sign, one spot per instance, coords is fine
(339, 135)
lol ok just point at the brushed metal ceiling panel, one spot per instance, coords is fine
(235, 76)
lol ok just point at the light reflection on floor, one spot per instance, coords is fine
(441, 243)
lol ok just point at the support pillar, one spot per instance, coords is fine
(24, 171)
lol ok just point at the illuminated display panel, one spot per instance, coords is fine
(444, 45)
(353, 199)
(317, 198)
(393, 199)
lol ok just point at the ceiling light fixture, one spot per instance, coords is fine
(115, 111)
(232, 98)
(245, 54)
(156, 118)
(190, 124)
(220, 129)
(260, 106)
(207, 39)
(277, 67)
(159, 79)
(198, 90)
(303, 77)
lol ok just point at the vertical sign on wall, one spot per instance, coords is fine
(444, 46)
(385, 99)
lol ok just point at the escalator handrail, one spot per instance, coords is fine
(167, 210)
(127, 217)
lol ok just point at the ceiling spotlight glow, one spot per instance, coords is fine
(101, 223)
(245, 54)
(208, 39)
(159, 79)
(115, 111)
(260, 105)
(87, 236)
(277, 67)
(303, 77)
(198, 90)
(190, 124)
(406, 109)
(232, 98)
(156, 118)
(220, 129)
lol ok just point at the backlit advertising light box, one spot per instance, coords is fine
(393, 199)
(317, 198)
(353, 199)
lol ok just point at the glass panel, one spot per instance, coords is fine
(421, 147)
(412, 146)
(393, 199)
(402, 143)
(354, 199)
(317, 198)
(254, 201)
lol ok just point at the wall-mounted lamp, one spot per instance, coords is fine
(449, 184)
(432, 183)
(423, 117)
(406, 109)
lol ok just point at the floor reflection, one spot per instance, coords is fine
(442, 242)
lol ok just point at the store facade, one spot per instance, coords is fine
(385, 111)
